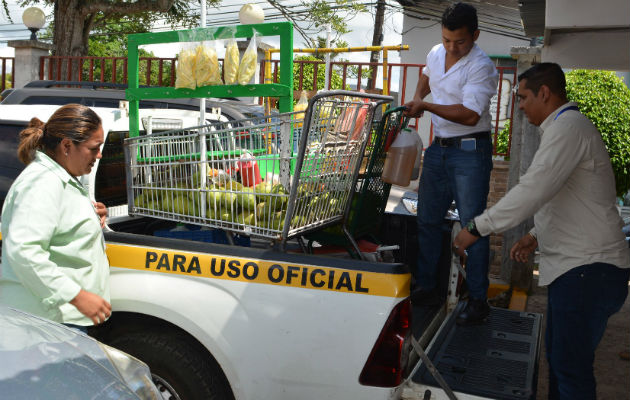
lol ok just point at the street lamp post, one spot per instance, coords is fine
(34, 19)
(28, 53)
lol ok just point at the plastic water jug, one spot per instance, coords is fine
(416, 165)
(401, 158)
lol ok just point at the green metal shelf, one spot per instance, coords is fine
(255, 90)
(282, 90)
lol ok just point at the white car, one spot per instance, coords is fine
(41, 359)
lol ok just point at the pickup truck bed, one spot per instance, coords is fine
(495, 360)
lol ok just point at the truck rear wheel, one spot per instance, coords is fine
(180, 370)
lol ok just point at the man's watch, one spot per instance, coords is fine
(471, 227)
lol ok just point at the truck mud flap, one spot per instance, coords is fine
(497, 359)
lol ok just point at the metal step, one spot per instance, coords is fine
(497, 359)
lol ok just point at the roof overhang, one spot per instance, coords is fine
(592, 35)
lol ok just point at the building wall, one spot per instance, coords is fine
(498, 188)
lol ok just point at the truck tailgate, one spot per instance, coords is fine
(497, 359)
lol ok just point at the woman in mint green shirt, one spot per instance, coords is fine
(53, 252)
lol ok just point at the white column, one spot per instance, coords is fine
(27, 60)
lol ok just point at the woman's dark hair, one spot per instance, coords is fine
(73, 121)
(548, 74)
(459, 15)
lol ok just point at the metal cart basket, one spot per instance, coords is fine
(370, 200)
(273, 177)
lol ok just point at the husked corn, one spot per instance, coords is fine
(207, 70)
(247, 68)
(230, 63)
(185, 70)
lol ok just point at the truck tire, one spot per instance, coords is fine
(180, 369)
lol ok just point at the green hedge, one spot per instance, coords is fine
(502, 139)
(604, 98)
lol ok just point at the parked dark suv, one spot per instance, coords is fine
(103, 94)
(10, 166)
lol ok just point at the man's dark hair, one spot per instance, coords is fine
(459, 15)
(548, 74)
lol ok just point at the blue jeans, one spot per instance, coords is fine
(578, 307)
(450, 173)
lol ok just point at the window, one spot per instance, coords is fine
(110, 186)
(10, 165)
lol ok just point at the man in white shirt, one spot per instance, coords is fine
(462, 80)
(584, 259)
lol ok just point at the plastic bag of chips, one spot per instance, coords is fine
(247, 67)
(185, 71)
(231, 63)
(207, 70)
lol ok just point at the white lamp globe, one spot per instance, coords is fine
(34, 17)
(251, 14)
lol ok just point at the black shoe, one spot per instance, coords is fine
(475, 312)
(425, 297)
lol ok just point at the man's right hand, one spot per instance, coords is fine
(415, 109)
(92, 306)
(523, 248)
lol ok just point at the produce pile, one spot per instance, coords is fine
(228, 201)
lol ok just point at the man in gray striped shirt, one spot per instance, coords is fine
(584, 259)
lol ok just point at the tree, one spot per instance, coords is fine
(604, 98)
(7, 80)
(377, 38)
(320, 43)
(75, 20)
(317, 14)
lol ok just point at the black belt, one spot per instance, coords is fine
(455, 141)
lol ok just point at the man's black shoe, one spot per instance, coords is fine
(425, 297)
(475, 312)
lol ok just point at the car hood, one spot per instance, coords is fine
(41, 359)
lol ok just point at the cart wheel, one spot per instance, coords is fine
(178, 368)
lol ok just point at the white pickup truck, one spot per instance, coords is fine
(219, 322)
(230, 322)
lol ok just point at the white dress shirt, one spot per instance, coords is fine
(471, 81)
(570, 190)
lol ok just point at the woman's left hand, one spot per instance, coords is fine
(101, 211)
(92, 306)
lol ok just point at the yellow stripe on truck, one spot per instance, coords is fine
(258, 271)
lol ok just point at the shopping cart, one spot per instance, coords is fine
(369, 202)
(270, 177)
